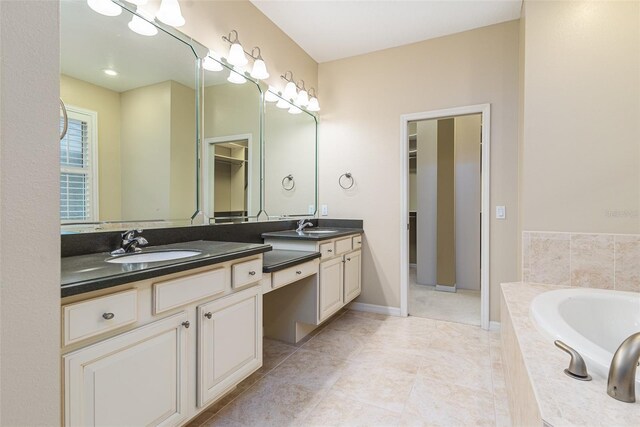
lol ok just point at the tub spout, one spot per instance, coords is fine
(622, 372)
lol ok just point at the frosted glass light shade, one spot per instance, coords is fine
(294, 110)
(259, 70)
(314, 105)
(211, 64)
(237, 55)
(142, 27)
(303, 98)
(237, 77)
(170, 13)
(105, 7)
(283, 104)
(290, 91)
(270, 95)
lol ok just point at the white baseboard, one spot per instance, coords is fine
(372, 308)
(443, 288)
(494, 326)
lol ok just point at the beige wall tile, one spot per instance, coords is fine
(627, 263)
(549, 258)
(592, 260)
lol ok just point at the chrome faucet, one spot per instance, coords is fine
(302, 225)
(130, 242)
(621, 384)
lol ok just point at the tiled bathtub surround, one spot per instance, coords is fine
(606, 261)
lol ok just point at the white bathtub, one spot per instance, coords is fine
(592, 321)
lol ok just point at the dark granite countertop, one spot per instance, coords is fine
(85, 273)
(294, 235)
(279, 259)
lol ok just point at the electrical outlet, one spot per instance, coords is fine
(312, 210)
(325, 210)
(501, 212)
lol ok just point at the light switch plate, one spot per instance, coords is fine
(501, 212)
(325, 210)
(311, 210)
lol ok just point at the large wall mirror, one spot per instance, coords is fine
(231, 144)
(290, 160)
(129, 154)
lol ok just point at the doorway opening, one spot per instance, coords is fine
(444, 239)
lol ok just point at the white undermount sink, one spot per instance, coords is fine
(320, 231)
(153, 256)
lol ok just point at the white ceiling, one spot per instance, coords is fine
(329, 30)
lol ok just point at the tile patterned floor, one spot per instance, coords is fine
(462, 306)
(366, 369)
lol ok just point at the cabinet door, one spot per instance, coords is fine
(330, 289)
(138, 378)
(230, 342)
(352, 275)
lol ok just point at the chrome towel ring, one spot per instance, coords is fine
(346, 185)
(66, 120)
(288, 179)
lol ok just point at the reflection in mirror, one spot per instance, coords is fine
(130, 153)
(289, 160)
(231, 144)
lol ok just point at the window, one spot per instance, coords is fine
(78, 174)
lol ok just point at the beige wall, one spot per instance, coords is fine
(106, 103)
(182, 203)
(581, 112)
(363, 98)
(29, 214)
(208, 21)
(446, 209)
(427, 189)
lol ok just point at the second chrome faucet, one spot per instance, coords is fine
(130, 242)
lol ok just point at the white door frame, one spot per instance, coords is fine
(485, 110)
(208, 142)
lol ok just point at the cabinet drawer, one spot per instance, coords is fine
(357, 242)
(291, 274)
(327, 250)
(184, 290)
(343, 246)
(246, 272)
(95, 316)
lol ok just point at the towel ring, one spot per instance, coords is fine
(349, 177)
(288, 178)
(65, 121)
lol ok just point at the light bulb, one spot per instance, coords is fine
(313, 104)
(170, 14)
(236, 77)
(236, 55)
(303, 98)
(110, 72)
(290, 91)
(294, 110)
(259, 70)
(211, 64)
(105, 7)
(270, 95)
(283, 104)
(141, 26)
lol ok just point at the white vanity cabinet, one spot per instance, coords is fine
(330, 288)
(352, 275)
(158, 351)
(136, 378)
(229, 342)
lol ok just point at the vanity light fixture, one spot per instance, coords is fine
(142, 26)
(283, 104)
(209, 63)
(271, 95)
(314, 105)
(259, 70)
(237, 77)
(290, 90)
(105, 7)
(303, 97)
(170, 13)
(110, 72)
(237, 56)
(294, 110)
(138, 2)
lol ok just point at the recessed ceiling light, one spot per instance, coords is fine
(110, 72)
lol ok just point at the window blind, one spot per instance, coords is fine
(75, 171)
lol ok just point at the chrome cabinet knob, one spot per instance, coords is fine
(298, 272)
(186, 324)
(108, 316)
(348, 259)
(252, 273)
(329, 250)
(208, 315)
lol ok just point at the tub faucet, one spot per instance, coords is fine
(302, 225)
(621, 384)
(130, 242)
